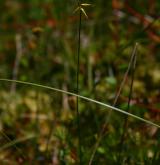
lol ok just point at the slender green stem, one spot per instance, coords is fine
(77, 90)
(125, 125)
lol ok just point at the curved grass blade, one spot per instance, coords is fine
(84, 98)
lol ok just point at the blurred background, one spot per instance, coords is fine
(39, 42)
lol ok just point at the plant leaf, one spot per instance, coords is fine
(86, 4)
(82, 97)
(83, 11)
(78, 8)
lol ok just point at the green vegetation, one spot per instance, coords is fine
(79, 82)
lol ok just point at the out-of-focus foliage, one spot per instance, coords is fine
(38, 43)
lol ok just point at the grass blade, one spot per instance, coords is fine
(13, 142)
(84, 98)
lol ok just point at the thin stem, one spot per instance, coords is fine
(101, 134)
(77, 90)
(128, 105)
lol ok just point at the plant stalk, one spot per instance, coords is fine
(77, 89)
